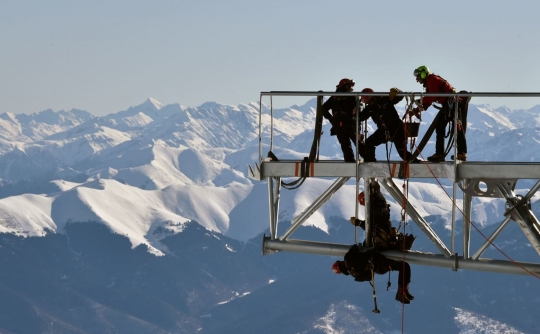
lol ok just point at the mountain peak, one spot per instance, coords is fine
(154, 104)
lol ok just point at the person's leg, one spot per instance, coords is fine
(439, 136)
(440, 129)
(401, 145)
(461, 139)
(461, 143)
(404, 269)
(378, 137)
(346, 148)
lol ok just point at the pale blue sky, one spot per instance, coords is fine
(104, 56)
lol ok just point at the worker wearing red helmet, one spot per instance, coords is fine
(358, 263)
(383, 112)
(434, 84)
(342, 118)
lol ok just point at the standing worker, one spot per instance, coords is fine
(435, 84)
(342, 118)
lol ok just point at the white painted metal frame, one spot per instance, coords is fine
(498, 179)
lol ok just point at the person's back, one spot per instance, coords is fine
(342, 118)
(383, 112)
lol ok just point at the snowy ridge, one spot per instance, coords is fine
(153, 165)
(345, 318)
(472, 323)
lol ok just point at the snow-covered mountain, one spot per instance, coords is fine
(154, 148)
(144, 173)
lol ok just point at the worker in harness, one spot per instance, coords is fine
(384, 235)
(379, 209)
(383, 112)
(362, 263)
(342, 118)
(434, 84)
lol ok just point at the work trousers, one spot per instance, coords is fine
(441, 130)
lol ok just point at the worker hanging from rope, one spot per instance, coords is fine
(360, 261)
(383, 112)
(384, 236)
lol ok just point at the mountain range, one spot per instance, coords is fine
(153, 202)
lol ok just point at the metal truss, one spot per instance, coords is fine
(474, 179)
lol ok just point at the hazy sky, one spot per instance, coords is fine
(104, 56)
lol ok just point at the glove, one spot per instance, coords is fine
(358, 222)
(393, 93)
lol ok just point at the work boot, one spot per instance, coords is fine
(437, 157)
(460, 156)
(401, 296)
(408, 294)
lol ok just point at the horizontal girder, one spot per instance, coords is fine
(394, 169)
(428, 259)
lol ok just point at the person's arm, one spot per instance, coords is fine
(393, 95)
(365, 113)
(325, 109)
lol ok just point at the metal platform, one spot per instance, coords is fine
(474, 179)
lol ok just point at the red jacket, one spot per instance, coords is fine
(435, 84)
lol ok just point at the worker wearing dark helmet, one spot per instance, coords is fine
(379, 209)
(359, 263)
(342, 118)
(383, 112)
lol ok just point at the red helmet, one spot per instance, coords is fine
(335, 268)
(361, 198)
(345, 81)
(366, 90)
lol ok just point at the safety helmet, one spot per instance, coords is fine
(361, 199)
(335, 268)
(421, 71)
(366, 90)
(345, 81)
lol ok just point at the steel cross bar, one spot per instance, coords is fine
(323, 198)
(524, 217)
(393, 190)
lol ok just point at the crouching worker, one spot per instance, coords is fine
(362, 263)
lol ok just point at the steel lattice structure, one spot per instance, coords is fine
(475, 179)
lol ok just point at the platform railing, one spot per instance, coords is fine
(500, 179)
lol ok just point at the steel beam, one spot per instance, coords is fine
(427, 259)
(467, 213)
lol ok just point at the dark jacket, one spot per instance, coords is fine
(383, 112)
(342, 108)
(358, 262)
